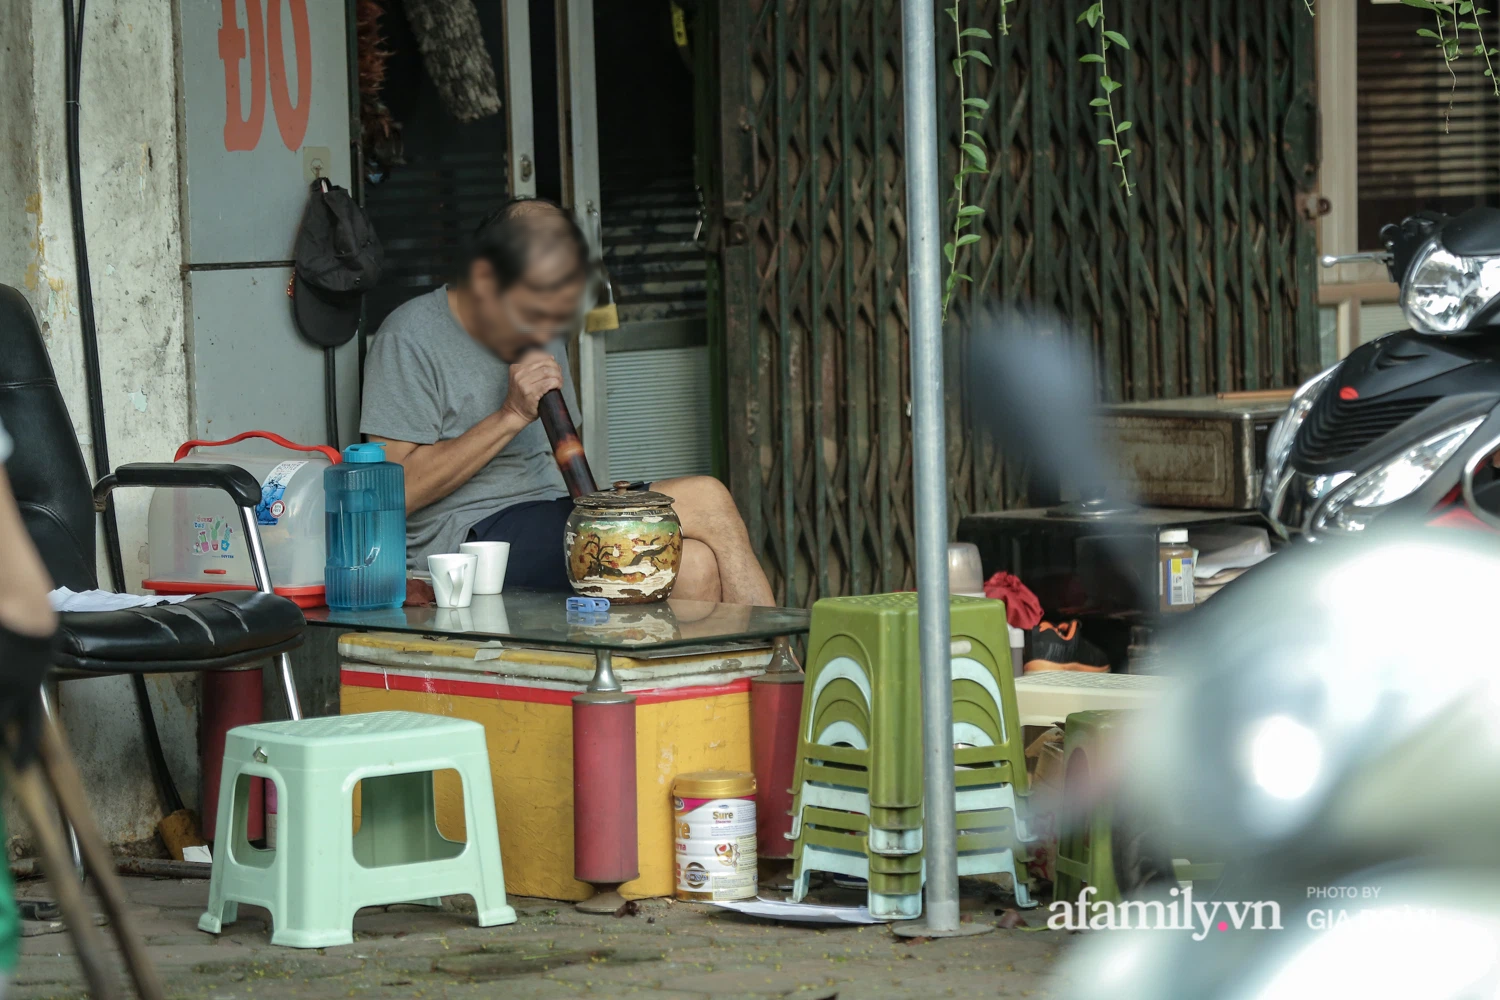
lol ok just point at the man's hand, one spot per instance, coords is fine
(435, 470)
(536, 373)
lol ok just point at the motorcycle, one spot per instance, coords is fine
(1331, 740)
(1402, 430)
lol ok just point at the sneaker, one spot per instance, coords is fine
(1060, 647)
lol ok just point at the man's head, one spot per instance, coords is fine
(527, 276)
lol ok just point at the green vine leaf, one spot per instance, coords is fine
(972, 157)
(1448, 47)
(1474, 11)
(1107, 39)
(1004, 19)
(1093, 15)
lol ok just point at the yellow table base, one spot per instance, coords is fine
(523, 698)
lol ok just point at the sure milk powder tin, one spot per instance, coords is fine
(713, 815)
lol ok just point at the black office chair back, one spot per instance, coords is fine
(46, 468)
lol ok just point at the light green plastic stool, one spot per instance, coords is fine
(863, 674)
(321, 872)
(1085, 852)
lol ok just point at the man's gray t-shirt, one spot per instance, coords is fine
(427, 380)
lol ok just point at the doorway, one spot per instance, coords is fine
(647, 388)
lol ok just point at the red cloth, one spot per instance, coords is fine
(1022, 609)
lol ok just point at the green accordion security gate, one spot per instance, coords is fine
(1202, 282)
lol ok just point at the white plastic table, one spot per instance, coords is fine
(1050, 697)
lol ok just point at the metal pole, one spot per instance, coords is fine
(604, 673)
(929, 450)
(262, 575)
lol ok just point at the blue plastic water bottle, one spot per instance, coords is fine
(365, 499)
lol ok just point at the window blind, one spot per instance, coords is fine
(1415, 151)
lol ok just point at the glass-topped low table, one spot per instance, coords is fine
(565, 757)
(536, 618)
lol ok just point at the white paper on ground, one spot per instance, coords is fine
(1229, 546)
(807, 913)
(63, 599)
(197, 853)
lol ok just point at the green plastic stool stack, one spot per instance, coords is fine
(321, 871)
(1085, 855)
(858, 784)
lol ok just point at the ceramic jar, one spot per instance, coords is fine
(623, 544)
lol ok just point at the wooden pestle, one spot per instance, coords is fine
(567, 447)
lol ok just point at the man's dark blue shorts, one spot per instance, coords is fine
(535, 533)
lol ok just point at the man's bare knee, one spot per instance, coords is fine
(698, 579)
(699, 497)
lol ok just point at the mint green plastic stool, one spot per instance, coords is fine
(321, 872)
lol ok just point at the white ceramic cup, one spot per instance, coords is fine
(489, 577)
(454, 619)
(453, 578)
(965, 574)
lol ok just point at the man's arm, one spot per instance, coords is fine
(24, 582)
(435, 470)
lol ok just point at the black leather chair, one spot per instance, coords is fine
(228, 630)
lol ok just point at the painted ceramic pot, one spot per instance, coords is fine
(623, 544)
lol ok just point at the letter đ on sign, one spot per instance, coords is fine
(261, 41)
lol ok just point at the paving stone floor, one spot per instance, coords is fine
(666, 950)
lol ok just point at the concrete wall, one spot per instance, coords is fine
(130, 183)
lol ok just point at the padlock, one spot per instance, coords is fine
(606, 316)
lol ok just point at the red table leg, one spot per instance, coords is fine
(605, 848)
(775, 714)
(230, 698)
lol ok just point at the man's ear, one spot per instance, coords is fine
(482, 277)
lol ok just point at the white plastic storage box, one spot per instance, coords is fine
(195, 537)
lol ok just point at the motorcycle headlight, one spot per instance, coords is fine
(1443, 292)
(1284, 431)
(1360, 501)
